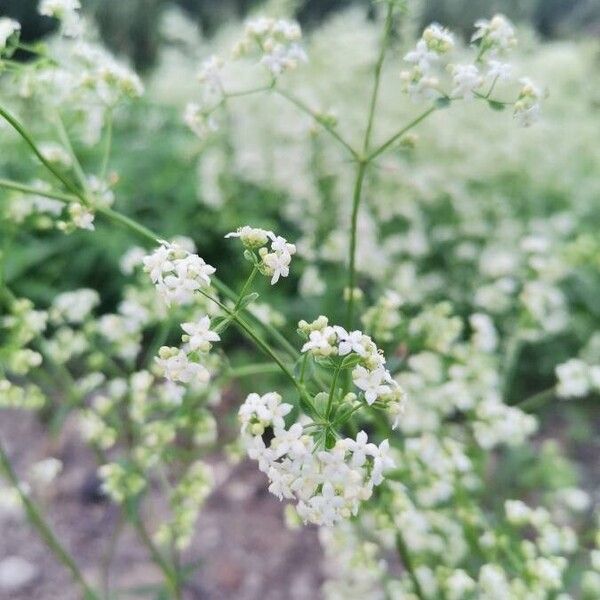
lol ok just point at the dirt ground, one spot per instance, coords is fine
(243, 546)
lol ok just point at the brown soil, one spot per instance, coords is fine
(244, 549)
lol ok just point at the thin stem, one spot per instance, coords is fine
(28, 189)
(109, 555)
(245, 288)
(249, 92)
(108, 144)
(16, 125)
(385, 38)
(255, 338)
(400, 133)
(146, 234)
(169, 573)
(347, 415)
(45, 532)
(404, 554)
(363, 163)
(318, 118)
(358, 185)
(248, 370)
(336, 374)
(129, 223)
(66, 140)
(534, 401)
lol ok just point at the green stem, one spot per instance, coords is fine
(28, 189)
(148, 235)
(256, 369)
(129, 223)
(66, 140)
(404, 554)
(254, 337)
(108, 143)
(332, 392)
(533, 402)
(385, 38)
(346, 416)
(358, 185)
(44, 530)
(169, 573)
(364, 162)
(245, 288)
(16, 125)
(400, 133)
(109, 555)
(262, 345)
(318, 118)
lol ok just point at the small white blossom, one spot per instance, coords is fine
(199, 335)
(466, 80)
(7, 28)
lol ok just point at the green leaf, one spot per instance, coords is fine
(443, 102)
(246, 300)
(350, 361)
(494, 105)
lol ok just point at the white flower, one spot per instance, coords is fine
(281, 245)
(466, 80)
(289, 441)
(199, 120)
(350, 342)
(320, 342)
(382, 461)
(527, 107)
(74, 307)
(517, 512)
(276, 40)
(133, 258)
(438, 39)
(282, 58)
(526, 116)
(66, 12)
(422, 56)
(199, 335)
(176, 273)
(159, 262)
(374, 383)
(277, 265)
(251, 237)
(360, 449)
(496, 34)
(176, 366)
(210, 74)
(573, 379)
(82, 216)
(497, 70)
(418, 86)
(485, 337)
(7, 28)
(263, 411)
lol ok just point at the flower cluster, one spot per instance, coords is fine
(274, 263)
(493, 37)
(369, 373)
(577, 379)
(177, 273)
(277, 40)
(182, 364)
(328, 483)
(66, 11)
